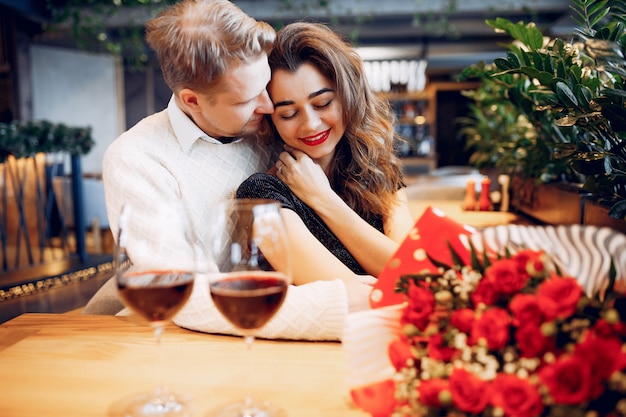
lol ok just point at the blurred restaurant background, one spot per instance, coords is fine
(80, 71)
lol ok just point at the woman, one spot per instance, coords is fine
(338, 180)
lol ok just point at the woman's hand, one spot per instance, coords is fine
(306, 179)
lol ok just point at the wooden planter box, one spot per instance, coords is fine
(597, 214)
(559, 203)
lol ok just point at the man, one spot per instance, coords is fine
(214, 59)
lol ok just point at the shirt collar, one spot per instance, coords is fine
(186, 131)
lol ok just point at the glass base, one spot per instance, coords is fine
(159, 405)
(250, 408)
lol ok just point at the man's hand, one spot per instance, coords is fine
(358, 289)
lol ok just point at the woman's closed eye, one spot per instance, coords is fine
(288, 115)
(323, 105)
(293, 113)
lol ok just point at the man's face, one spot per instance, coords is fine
(238, 109)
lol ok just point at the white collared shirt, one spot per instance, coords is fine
(166, 156)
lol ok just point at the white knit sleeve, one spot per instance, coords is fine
(316, 311)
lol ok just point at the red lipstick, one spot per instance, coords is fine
(316, 139)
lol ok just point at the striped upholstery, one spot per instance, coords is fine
(583, 252)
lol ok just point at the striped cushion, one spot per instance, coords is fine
(583, 252)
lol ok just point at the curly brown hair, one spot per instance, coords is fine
(365, 171)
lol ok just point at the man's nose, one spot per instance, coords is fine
(265, 106)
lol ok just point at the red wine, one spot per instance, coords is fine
(156, 295)
(249, 299)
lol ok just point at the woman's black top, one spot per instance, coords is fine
(263, 185)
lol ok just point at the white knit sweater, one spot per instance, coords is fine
(166, 156)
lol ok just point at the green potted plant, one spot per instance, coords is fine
(501, 135)
(573, 95)
(23, 139)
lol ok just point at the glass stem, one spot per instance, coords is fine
(248, 404)
(158, 335)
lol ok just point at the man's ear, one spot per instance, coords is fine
(189, 99)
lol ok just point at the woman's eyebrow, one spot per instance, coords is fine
(312, 95)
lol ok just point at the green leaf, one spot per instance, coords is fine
(598, 13)
(518, 31)
(486, 260)
(608, 294)
(545, 78)
(513, 60)
(476, 265)
(560, 69)
(577, 73)
(503, 64)
(547, 64)
(558, 46)
(584, 96)
(531, 72)
(538, 60)
(596, 6)
(566, 95)
(437, 263)
(533, 38)
(500, 23)
(457, 261)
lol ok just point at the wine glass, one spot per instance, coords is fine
(250, 249)
(155, 263)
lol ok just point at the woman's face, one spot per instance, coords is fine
(307, 112)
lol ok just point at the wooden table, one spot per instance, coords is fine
(454, 210)
(76, 365)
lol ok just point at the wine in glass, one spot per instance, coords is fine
(155, 265)
(251, 254)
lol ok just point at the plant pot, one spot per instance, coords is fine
(554, 203)
(597, 213)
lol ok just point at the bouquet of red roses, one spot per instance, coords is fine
(508, 336)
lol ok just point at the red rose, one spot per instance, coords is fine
(603, 328)
(531, 262)
(420, 307)
(399, 353)
(469, 393)
(568, 380)
(506, 276)
(485, 293)
(430, 390)
(531, 341)
(462, 319)
(604, 356)
(559, 296)
(439, 350)
(493, 326)
(526, 310)
(516, 396)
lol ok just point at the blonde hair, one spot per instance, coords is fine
(365, 172)
(197, 41)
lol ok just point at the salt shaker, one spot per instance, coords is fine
(470, 195)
